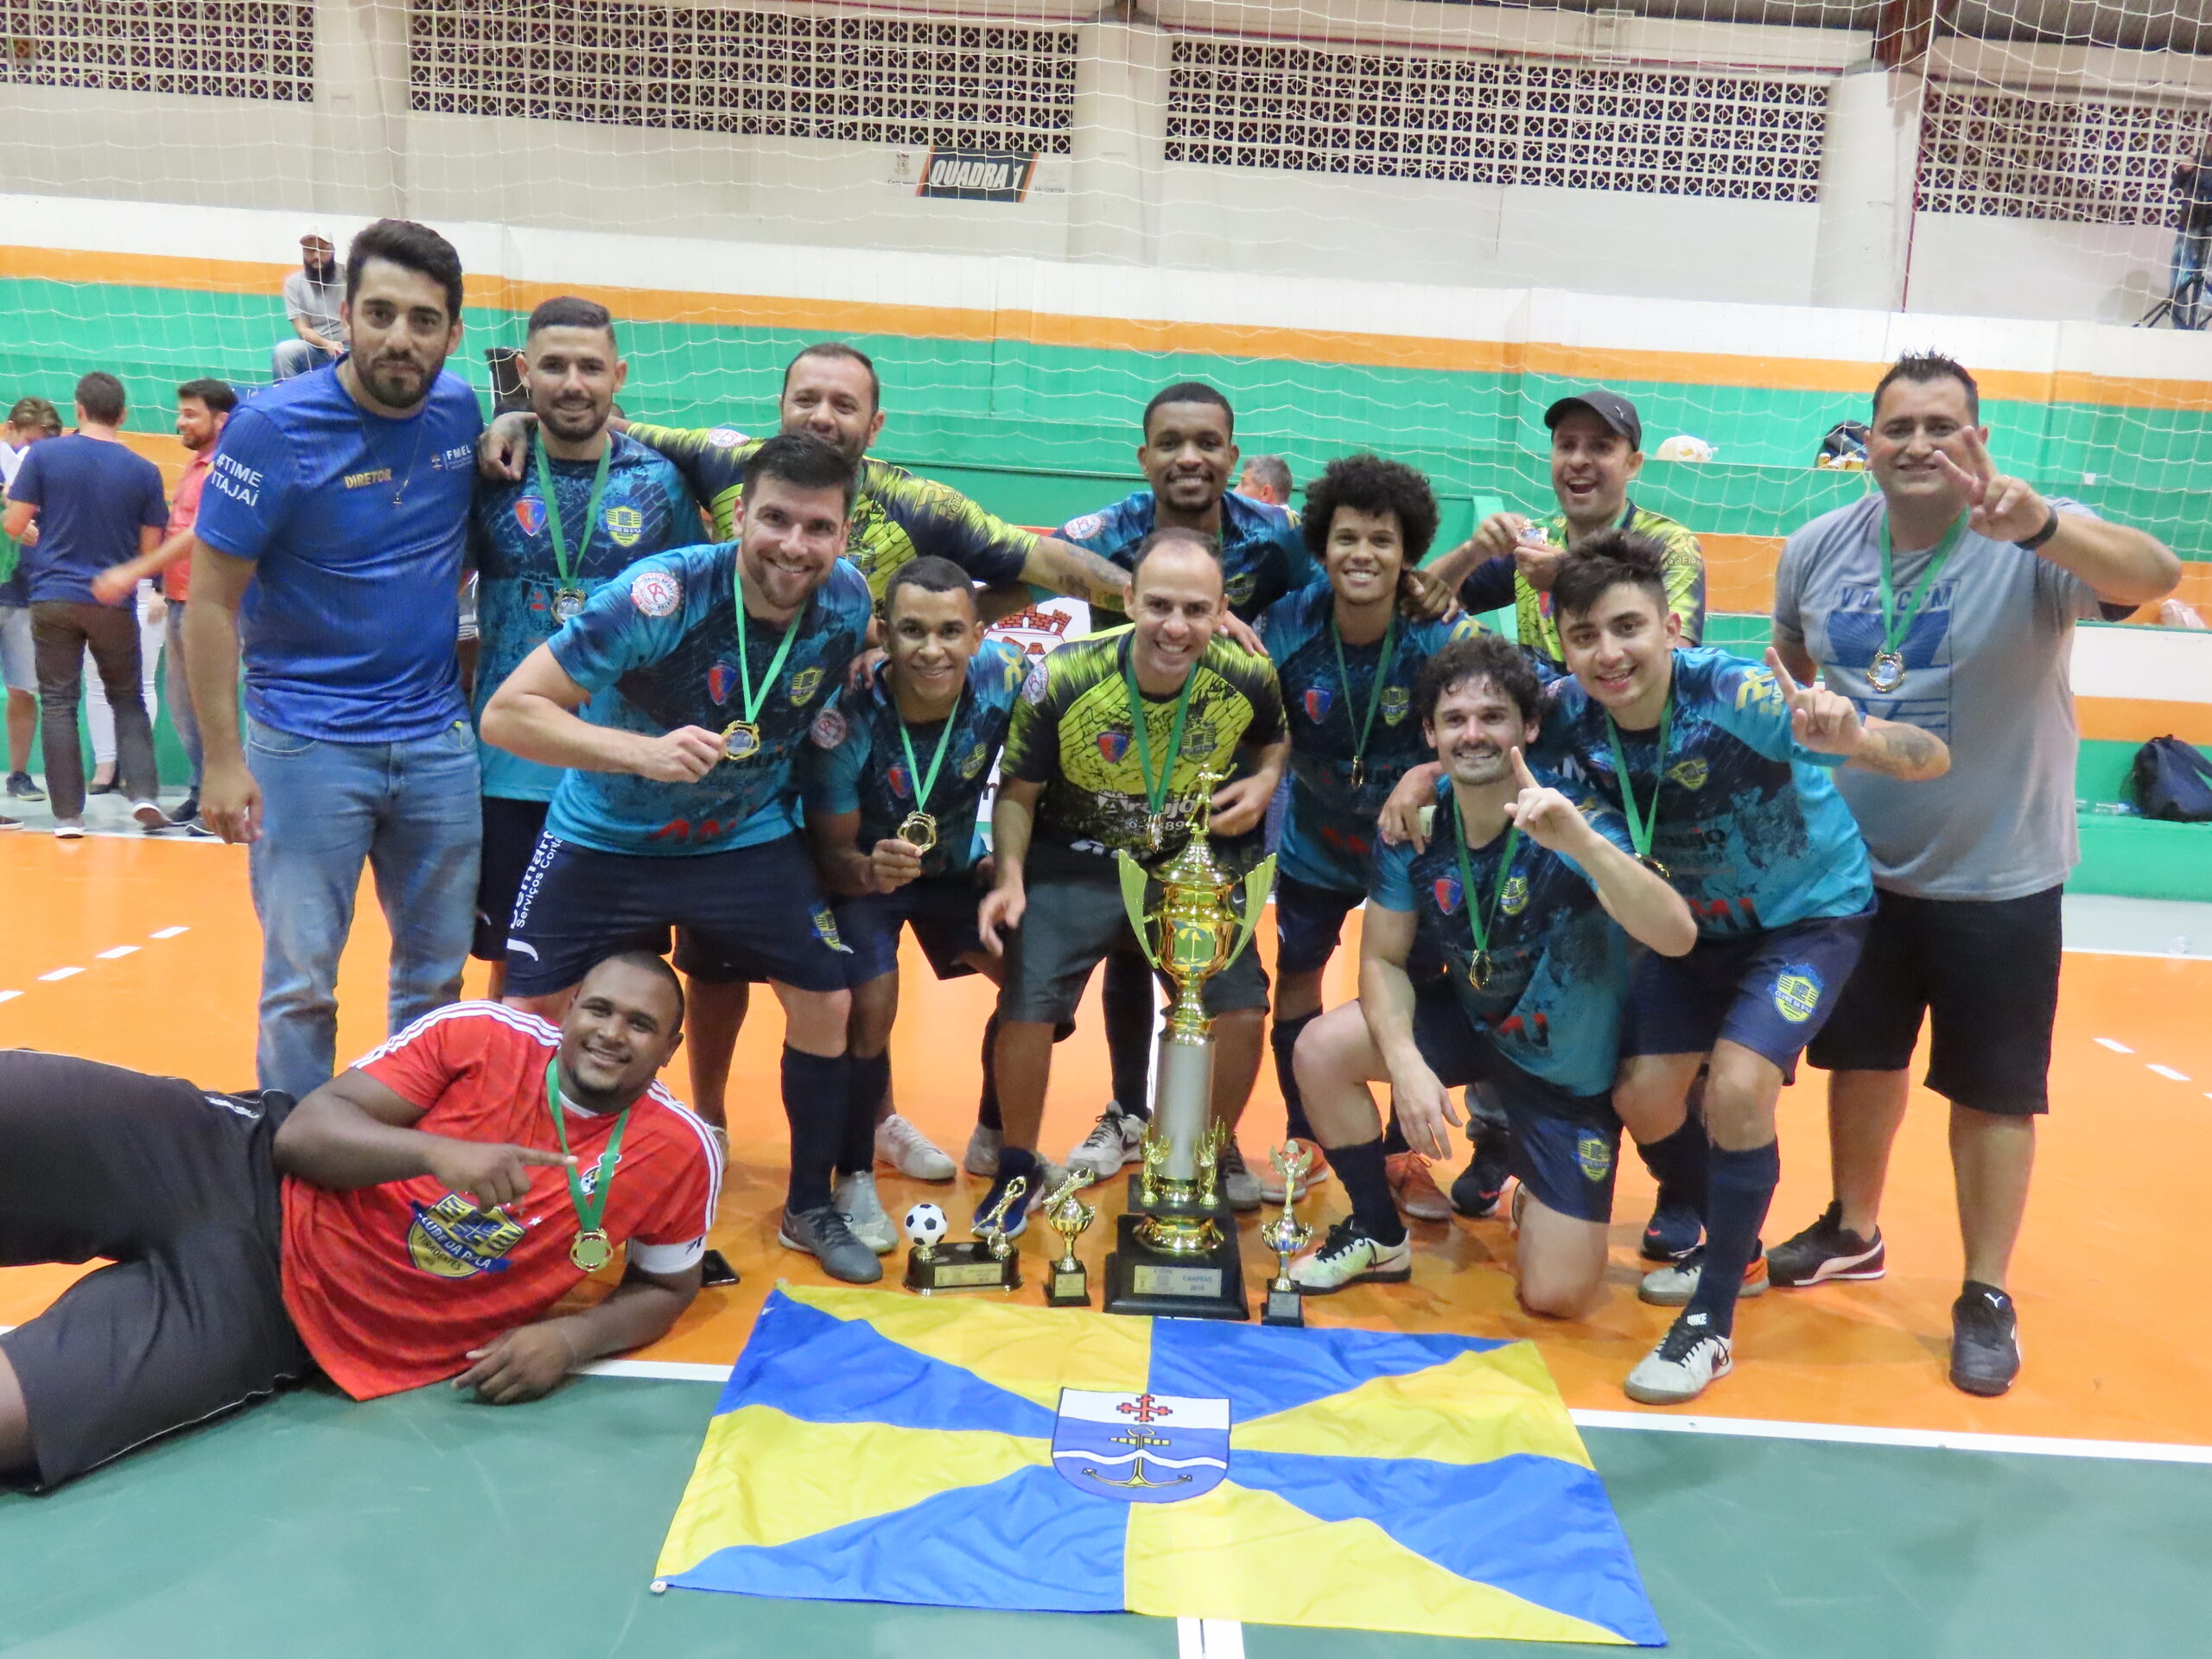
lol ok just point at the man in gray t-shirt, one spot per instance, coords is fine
(1948, 601)
(313, 295)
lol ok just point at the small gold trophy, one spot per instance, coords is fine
(1175, 1253)
(1069, 1216)
(987, 1261)
(1287, 1235)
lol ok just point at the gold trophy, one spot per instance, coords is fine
(1066, 1214)
(1176, 1251)
(985, 1261)
(1287, 1235)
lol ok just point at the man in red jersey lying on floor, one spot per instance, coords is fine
(415, 1218)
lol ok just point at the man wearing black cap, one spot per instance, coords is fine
(1597, 451)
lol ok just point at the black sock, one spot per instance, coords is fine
(986, 1105)
(1132, 1006)
(816, 1090)
(1360, 1168)
(1284, 1040)
(1742, 1186)
(869, 1081)
(1018, 1161)
(1678, 1163)
(1394, 1138)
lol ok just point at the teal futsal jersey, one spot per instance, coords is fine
(658, 649)
(645, 509)
(1263, 553)
(1557, 990)
(856, 761)
(1749, 823)
(1329, 839)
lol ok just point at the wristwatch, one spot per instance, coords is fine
(2029, 544)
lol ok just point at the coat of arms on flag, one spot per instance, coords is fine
(877, 1447)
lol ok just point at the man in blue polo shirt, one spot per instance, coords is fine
(329, 543)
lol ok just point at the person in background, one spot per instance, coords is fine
(144, 602)
(96, 503)
(203, 407)
(314, 297)
(1266, 478)
(29, 420)
(327, 552)
(2192, 238)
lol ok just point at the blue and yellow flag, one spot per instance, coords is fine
(878, 1447)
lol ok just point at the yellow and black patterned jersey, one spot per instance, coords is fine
(1072, 733)
(897, 517)
(1684, 569)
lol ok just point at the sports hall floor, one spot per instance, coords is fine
(1834, 1497)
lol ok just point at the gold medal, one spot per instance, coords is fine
(1655, 867)
(740, 739)
(1358, 771)
(918, 831)
(1155, 831)
(591, 1251)
(568, 604)
(1886, 673)
(1478, 969)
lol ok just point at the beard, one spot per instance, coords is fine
(389, 382)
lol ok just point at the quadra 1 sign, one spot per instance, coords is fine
(977, 174)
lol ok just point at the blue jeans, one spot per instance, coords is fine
(295, 357)
(410, 810)
(2190, 247)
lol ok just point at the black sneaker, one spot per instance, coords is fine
(186, 809)
(111, 787)
(1674, 1230)
(823, 1235)
(1826, 1249)
(20, 788)
(1476, 1191)
(1985, 1340)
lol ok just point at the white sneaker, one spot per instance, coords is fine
(1691, 1356)
(150, 815)
(1348, 1256)
(863, 1212)
(909, 1152)
(68, 830)
(982, 1157)
(1117, 1139)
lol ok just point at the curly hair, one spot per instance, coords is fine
(1478, 656)
(1371, 485)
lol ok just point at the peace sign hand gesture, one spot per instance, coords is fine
(1545, 816)
(2002, 508)
(1824, 722)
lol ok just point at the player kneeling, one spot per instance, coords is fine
(1516, 892)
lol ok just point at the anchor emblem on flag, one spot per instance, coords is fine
(1141, 1448)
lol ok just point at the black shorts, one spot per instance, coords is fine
(511, 833)
(758, 905)
(941, 909)
(1309, 922)
(175, 1187)
(1072, 923)
(1983, 972)
(1566, 1147)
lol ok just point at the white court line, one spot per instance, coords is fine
(2117, 1048)
(2168, 1072)
(117, 952)
(61, 973)
(1927, 1440)
(1209, 1638)
(168, 932)
(9, 996)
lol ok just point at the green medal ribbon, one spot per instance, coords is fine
(1478, 971)
(553, 509)
(1641, 825)
(1895, 628)
(589, 1206)
(1156, 797)
(922, 785)
(751, 703)
(1374, 696)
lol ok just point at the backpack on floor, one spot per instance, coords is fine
(2173, 781)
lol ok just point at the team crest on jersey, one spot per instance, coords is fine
(1113, 745)
(825, 929)
(1797, 993)
(1512, 898)
(828, 730)
(1397, 702)
(1238, 588)
(1318, 700)
(975, 761)
(1691, 773)
(530, 513)
(1198, 737)
(721, 680)
(453, 1239)
(804, 684)
(625, 524)
(1033, 689)
(656, 593)
(1083, 529)
(725, 437)
(1447, 890)
(1594, 1155)
(897, 777)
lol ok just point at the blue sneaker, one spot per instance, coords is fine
(1016, 1217)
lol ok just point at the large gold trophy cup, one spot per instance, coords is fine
(1176, 1250)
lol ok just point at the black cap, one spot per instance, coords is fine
(1615, 410)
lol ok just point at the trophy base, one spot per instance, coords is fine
(1141, 1280)
(968, 1265)
(1067, 1287)
(1285, 1307)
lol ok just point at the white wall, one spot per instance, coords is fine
(2036, 268)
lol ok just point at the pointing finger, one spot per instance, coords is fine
(1972, 483)
(1521, 775)
(1781, 672)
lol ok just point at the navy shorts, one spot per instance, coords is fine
(1770, 991)
(1309, 922)
(1566, 1147)
(758, 903)
(511, 833)
(1983, 974)
(940, 909)
(1074, 923)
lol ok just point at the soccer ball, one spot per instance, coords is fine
(925, 1224)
